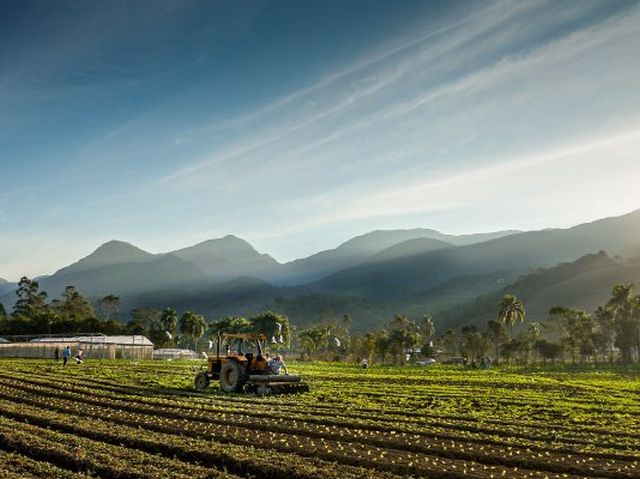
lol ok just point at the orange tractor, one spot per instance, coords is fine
(242, 367)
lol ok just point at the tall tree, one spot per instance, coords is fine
(427, 329)
(498, 335)
(471, 346)
(108, 307)
(512, 311)
(73, 307)
(309, 340)
(169, 321)
(273, 325)
(196, 328)
(193, 326)
(31, 302)
(605, 319)
(450, 342)
(382, 344)
(534, 331)
(230, 324)
(625, 309)
(576, 330)
(404, 335)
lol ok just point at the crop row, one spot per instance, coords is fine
(406, 454)
(109, 435)
(396, 418)
(332, 428)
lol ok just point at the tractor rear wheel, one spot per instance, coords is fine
(232, 377)
(201, 381)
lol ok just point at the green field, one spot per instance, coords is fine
(117, 419)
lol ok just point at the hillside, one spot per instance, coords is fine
(227, 258)
(160, 273)
(408, 248)
(403, 277)
(5, 287)
(110, 253)
(585, 283)
(361, 248)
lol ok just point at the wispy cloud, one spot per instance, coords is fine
(445, 121)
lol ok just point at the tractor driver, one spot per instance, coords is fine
(276, 364)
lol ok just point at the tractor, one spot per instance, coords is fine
(242, 367)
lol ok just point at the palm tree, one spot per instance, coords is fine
(196, 327)
(512, 311)
(169, 321)
(193, 326)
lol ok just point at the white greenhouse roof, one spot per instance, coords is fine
(131, 340)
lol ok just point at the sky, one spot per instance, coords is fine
(297, 125)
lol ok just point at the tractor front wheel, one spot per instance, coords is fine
(201, 381)
(232, 377)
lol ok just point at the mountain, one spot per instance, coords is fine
(410, 247)
(227, 258)
(371, 277)
(110, 253)
(6, 287)
(585, 284)
(359, 249)
(160, 273)
(403, 277)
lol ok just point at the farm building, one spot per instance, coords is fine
(94, 346)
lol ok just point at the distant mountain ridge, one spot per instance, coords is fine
(371, 277)
(227, 258)
(403, 276)
(110, 253)
(361, 248)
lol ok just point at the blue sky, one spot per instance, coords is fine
(297, 125)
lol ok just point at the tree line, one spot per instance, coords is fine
(610, 333)
(32, 314)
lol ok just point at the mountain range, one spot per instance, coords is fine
(371, 277)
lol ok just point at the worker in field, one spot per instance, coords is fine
(276, 365)
(56, 354)
(66, 354)
(79, 356)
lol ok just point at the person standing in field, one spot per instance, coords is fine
(79, 356)
(56, 354)
(66, 354)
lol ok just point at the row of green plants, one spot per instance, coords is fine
(455, 422)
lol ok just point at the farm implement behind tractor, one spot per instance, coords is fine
(243, 367)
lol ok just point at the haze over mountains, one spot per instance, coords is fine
(370, 277)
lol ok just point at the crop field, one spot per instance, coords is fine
(118, 419)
